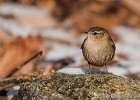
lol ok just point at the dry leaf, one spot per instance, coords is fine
(17, 52)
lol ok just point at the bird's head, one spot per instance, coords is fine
(97, 33)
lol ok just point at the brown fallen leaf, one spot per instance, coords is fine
(18, 51)
(84, 14)
(5, 38)
(134, 76)
(48, 71)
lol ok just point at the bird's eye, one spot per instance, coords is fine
(95, 33)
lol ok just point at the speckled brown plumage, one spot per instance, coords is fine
(98, 47)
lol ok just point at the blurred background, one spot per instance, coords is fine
(55, 27)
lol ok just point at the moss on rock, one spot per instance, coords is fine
(62, 86)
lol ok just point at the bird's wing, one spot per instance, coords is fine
(82, 46)
(112, 43)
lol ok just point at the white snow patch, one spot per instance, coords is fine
(78, 71)
(15, 9)
(117, 70)
(130, 44)
(61, 51)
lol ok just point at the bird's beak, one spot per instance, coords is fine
(85, 32)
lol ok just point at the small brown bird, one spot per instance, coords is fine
(98, 47)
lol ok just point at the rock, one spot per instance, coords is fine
(60, 86)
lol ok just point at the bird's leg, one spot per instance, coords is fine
(89, 67)
(105, 69)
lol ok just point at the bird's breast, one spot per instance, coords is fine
(94, 46)
(97, 52)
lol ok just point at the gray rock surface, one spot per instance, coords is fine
(60, 86)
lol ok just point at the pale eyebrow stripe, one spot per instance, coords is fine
(99, 31)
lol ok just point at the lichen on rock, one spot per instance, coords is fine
(60, 86)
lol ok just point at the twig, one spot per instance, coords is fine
(20, 66)
(9, 82)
